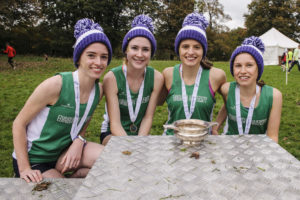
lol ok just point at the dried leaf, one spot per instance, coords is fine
(195, 155)
(128, 153)
(41, 186)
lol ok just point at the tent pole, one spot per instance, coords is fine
(286, 69)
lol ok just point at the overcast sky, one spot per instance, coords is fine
(236, 10)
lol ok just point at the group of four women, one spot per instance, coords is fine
(48, 132)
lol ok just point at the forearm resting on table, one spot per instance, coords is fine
(222, 114)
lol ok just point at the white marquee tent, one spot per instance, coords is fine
(275, 44)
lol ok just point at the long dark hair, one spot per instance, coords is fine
(205, 63)
(261, 83)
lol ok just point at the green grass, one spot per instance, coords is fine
(17, 85)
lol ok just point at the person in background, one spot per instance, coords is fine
(48, 133)
(190, 87)
(296, 58)
(132, 89)
(289, 58)
(11, 53)
(45, 57)
(251, 106)
(283, 60)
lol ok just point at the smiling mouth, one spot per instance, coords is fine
(190, 58)
(136, 60)
(98, 69)
(244, 77)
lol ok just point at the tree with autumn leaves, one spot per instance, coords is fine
(44, 26)
(282, 15)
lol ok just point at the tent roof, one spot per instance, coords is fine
(275, 38)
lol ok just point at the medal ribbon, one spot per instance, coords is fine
(133, 114)
(188, 112)
(76, 126)
(238, 110)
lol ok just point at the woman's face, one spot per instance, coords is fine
(138, 53)
(190, 52)
(94, 59)
(245, 70)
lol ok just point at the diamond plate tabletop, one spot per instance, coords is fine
(160, 167)
(60, 188)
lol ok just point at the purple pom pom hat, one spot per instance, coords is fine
(141, 26)
(87, 32)
(193, 27)
(255, 47)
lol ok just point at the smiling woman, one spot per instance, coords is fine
(48, 133)
(190, 87)
(251, 107)
(132, 89)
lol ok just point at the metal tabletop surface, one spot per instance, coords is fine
(160, 167)
(60, 188)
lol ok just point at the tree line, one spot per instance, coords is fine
(46, 26)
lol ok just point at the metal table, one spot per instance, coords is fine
(60, 188)
(160, 167)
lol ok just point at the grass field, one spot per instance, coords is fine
(17, 85)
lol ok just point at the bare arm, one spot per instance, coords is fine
(275, 114)
(71, 158)
(222, 114)
(45, 94)
(217, 78)
(111, 93)
(146, 123)
(101, 91)
(168, 78)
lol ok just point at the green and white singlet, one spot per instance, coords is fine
(123, 105)
(260, 116)
(204, 101)
(48, 134)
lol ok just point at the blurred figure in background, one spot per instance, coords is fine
(296, 58)
(11, 53)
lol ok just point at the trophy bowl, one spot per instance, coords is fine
(190, 131)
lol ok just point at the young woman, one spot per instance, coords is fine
(132, 89)
(190, 87)
(48, 133)
(251, 106)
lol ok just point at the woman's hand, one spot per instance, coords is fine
(30, 175)
(214, 131)
(72, 157)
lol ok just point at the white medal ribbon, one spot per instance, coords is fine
(238, 110)
(133, 114)
(76, 126)
(188, 112)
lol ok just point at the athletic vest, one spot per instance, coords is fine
(204, 101)
(123, 106)
(49, 133)
(260, 114)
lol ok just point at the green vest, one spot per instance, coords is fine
(260, 114)
(204, 101)
(48, 134)
(122, 97)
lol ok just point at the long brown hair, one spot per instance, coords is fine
(261, 83)
(205, 63)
